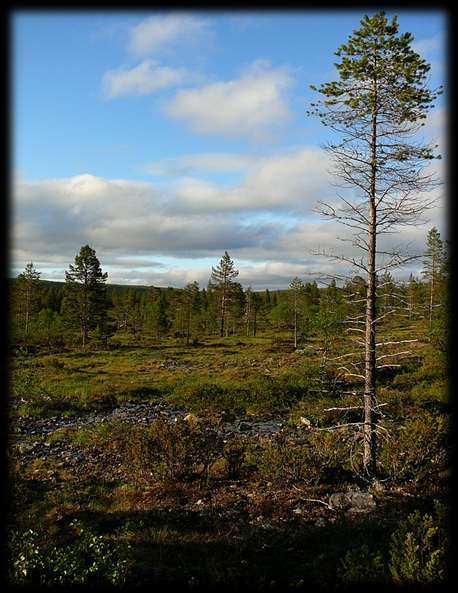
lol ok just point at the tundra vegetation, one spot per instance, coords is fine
(216, 437)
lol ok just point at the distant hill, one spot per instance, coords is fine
(120, 287)
(50, 284)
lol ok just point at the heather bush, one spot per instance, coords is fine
(168, 451)
(416, 450)
(312, 462)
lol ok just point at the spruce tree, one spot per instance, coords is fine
(433, 264)
(222, 282)
(26, 297)
(85, 302)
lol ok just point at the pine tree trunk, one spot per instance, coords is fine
(369, 431)
(370, 444)
(27, 310)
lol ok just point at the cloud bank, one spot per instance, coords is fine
(145, 234)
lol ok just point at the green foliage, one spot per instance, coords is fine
(264, 394)
(418, 449)
(88, 559)
(417, 554)
(376, 51)
(419, 548)
(362, 566)
(170, 451)
(222, 284)
(323, 455)
(85, 304)
(26, 296)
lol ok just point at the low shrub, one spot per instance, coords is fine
(416, 450)
(417, 554)
(362, 566)
(323, 454)
(234, 457)
(419, 548)
(169, 451)
(87, 559)
(263, 395)
(53, 362)
(209, 396)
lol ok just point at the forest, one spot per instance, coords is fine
(219, 437)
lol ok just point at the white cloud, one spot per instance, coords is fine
(157, 32)
(235, 107)
(215, 162)
(117, 217)
(144, 79)
(435, 127)
(290, 182)
(429, 45)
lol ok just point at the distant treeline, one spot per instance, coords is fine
(85, 309)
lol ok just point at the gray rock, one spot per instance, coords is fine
(354, 501)
(361, 501)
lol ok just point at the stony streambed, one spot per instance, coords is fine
(140, 413)
(29, 435)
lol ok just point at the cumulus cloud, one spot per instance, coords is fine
(290, 181)
(144, 79)
(246, 105)
(160, 31)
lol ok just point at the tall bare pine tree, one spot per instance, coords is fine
(376, 109)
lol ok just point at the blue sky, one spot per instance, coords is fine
(162, 139)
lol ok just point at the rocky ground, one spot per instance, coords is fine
(35, 439)
(251, 523)
(42, 439)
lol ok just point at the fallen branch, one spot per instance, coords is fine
(315, 500)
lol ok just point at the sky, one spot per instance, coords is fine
(162, 139)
